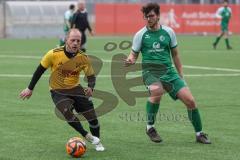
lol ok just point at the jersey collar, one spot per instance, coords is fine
(160, 27)
(68, 54)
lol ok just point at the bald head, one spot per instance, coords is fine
(81, 1)
(72, 32)
(73, 41)
(81, 5)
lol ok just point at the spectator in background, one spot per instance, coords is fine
(68, 15)
(80, 21)
(224, 13)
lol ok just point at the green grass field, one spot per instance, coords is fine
(30, 130)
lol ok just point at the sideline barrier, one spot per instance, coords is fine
(125, 19)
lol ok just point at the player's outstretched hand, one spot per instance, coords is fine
(127, 62)
(26, 93)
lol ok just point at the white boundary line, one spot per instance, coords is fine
(108, 76)
(115, 51)
(20, 56)
(19, 75)
(212, 68)
(109, 61)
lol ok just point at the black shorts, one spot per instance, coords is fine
(74, 99)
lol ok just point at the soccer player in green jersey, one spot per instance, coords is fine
(225, 14)
(158, 45)
(68, 15)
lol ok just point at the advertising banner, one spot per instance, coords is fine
(120, 19)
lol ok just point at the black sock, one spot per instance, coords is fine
(78, 127)
(227, 42)
(94, 127)
(217, 40)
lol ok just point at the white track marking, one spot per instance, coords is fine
(19, 75)
(212, 75)
(129, 76)
(116, 51)
(109, 61)
(212, 68)
(20, 56)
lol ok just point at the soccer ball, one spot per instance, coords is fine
(76, 147)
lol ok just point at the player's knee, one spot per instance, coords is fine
(156, 90)
(67, 115)
(156, 95)
(190, 102)
(155, 99)
(65, 112)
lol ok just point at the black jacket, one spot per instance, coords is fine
(80, 20)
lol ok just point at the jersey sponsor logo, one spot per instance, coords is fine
(60, 63)
(156, 48)
(156, 45)
(161, 38)
(69, 73)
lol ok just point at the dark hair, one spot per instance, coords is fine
(149, 7)
(72, 6)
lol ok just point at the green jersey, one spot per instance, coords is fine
(68, 15)
(155, 47)
(225, 13)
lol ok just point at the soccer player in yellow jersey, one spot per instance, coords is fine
(66, 63)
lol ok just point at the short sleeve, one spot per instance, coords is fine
(46, 61)
(137, 40)
(173, 37)
(67, 15)
(218, 13)
(230, 10)
(136, 46)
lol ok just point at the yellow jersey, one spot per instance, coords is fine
(65, 71)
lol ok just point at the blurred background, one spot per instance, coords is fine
(30, 130)
(39, 19)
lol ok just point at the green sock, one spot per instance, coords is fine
(227, 42)
(217, 40)
(194, 117)
(152, 109)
